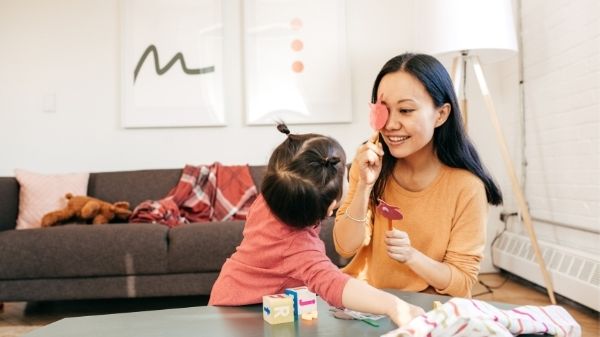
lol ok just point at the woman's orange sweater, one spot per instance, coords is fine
(446, 221)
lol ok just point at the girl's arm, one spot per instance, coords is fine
(360, 296)
(305, 260)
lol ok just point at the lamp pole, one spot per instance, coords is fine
(459, 71)
(516, 187)
(459, 80)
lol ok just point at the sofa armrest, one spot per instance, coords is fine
(9, 203)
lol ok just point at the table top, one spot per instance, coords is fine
(224, 321)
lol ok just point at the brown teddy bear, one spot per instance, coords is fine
(86, 208)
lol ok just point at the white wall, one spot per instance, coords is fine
(71, 49)
(561, 58)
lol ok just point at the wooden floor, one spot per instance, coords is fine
(18, 317)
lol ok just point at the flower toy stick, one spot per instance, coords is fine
(390, 212)
(378, 116)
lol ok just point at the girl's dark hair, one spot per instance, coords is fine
(450, 141)
(304, 176)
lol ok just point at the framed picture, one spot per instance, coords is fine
(295, 62)
(172, 69)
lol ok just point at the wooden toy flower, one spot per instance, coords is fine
(379, 114)
(390, 212)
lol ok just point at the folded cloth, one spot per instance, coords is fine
(164, 211)
(203, 194)
(215, 193)
(473, 318)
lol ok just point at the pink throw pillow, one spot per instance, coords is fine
(42, 193)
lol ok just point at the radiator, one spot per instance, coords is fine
(575, 274)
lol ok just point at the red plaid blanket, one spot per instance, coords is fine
(203, 194)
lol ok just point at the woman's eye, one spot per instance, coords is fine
(404, 111)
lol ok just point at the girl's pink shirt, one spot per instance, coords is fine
(274, 256)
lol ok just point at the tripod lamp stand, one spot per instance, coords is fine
(477, 29)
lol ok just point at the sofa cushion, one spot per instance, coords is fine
(326, 234)
(258, 173)
(203, 247)
(83, 250)
(138, 186)
(133, 186)
(42, 193)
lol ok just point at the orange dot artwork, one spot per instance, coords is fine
(296, 23)
(297, 67)
(297, 45)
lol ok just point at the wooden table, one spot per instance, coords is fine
(244, 321)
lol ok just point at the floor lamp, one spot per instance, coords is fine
(477, 30)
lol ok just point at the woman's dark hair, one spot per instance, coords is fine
(304, 176)
(450, 141)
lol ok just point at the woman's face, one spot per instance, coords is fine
(413, 116)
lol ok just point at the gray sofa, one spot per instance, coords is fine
(78, 261)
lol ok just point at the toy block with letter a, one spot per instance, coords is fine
(278, 309)
(305, 303)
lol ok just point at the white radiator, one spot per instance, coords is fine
(575, 274)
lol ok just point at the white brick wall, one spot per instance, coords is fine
(561, 62)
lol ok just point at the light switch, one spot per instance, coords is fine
(49, 103)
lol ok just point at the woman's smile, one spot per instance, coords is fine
(396, 140)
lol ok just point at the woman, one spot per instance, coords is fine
(422, 162)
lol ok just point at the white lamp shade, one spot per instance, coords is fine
(482, 27)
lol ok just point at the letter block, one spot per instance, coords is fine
(305, 302)
(278, 309)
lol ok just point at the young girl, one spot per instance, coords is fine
(281, 246)
(426, 165)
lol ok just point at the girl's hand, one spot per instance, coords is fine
(368, 157)
(404, 312)
(398, 246)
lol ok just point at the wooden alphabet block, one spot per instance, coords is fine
(278, 309)
(309, 316)
(305, 302)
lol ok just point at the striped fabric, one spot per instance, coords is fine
(473, 318)
(203, 194)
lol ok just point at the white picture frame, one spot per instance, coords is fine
(185, 87)
(296, 65)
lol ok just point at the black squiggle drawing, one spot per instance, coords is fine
(178, 57)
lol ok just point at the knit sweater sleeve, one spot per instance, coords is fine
(306, 260)
(467, 240)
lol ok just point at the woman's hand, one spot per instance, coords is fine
(368, 157)
(437, 274)
(404, 312)
(398, 246)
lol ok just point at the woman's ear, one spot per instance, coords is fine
(442, 114)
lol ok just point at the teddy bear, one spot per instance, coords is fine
(87, 208)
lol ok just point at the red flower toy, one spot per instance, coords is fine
(379, 115)
(390, 212)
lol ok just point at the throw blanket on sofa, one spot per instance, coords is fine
(472, 318)
(203, 194)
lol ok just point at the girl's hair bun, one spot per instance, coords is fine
(330, 161)
(283, 128)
